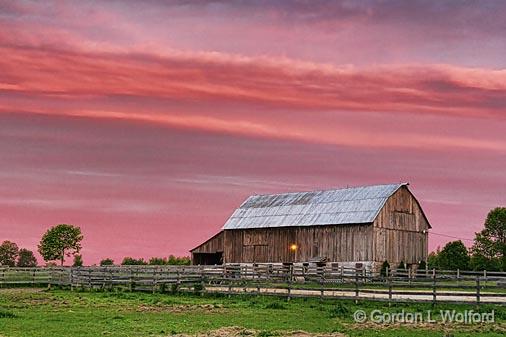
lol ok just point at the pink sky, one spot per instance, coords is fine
(147, 123)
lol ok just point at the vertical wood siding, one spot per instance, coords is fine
(335, 243)
(398, 230)
(396, 235)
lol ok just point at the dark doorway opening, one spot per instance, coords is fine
(208, 258)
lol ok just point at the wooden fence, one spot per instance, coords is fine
(280, 280)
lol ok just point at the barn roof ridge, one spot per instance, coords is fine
(325, 189)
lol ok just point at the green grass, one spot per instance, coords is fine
(34, 312)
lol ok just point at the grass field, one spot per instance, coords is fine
(37, 312)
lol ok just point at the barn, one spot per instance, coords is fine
(364, 225)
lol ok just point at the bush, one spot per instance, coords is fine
(181, 261)
(401, 266)
(158, 261)
(78, 261)
(422, 265)
(384, 268)
(130, 261)
(198, 288)
(107, 262)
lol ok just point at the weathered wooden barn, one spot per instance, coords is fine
(367, 225)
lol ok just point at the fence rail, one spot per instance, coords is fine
(279, 280)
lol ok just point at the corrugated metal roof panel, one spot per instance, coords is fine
(332, 207)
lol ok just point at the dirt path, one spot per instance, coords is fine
(413, 295)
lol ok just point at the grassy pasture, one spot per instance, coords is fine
(62, 313)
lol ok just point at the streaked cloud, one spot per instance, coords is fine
(148, 122)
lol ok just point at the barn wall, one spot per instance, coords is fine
(398, 230)
(213, 245)
(336, 243)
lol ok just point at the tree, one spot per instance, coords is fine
(433, 259)
(8, 253)
(26, 258)
(158, 261)
(181, 261)
(59, 242)
(130, 261)
(107, 262)
(490, 244)
(422, 265)
(78, 261)
(454, 256)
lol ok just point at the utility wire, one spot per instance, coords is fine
(450, 236)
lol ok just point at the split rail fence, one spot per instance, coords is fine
(280, 280)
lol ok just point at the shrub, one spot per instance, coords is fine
(198, 288)
(184, 260)
(78, 261)
(107, 262)
(130, 261)
(384, 268)
(158, 261)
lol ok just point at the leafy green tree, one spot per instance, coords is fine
(453, 256)
(59, 242)
(130, 261)
(107, 262)
(422, 265)
(481, 262)
(78, 261)
(489, 247)
(433, 259)
(26, 258)
(8, 253)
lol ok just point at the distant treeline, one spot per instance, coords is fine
(154, 261)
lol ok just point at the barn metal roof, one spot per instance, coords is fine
(356, 205)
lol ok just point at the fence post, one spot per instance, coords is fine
(356, 286)
(153, 287)
(71, 279)
(485, 277)
(478, 291)
(434, 296)
(389, 280)
(290, 276)
(458, 277)
(130, 279)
